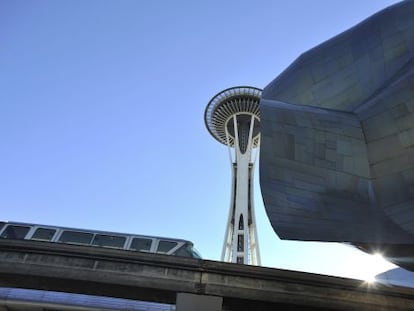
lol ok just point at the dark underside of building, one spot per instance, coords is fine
(337, 140)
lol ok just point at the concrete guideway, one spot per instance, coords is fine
(160, 278)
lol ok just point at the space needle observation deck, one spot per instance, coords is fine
(233, 118)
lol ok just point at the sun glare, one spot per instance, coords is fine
(375, 265)
(370, 279)
(365, 267)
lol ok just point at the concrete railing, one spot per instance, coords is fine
(160, 278)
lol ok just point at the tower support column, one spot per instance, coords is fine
(233, 118)
(240, 242)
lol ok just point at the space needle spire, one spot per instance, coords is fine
(233, 118)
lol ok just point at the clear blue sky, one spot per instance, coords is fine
(101, 113)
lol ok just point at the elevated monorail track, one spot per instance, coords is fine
(159, 278)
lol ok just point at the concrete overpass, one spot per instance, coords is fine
(212, 285)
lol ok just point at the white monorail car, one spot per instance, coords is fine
(150, 244)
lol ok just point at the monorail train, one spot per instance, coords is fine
(132, 242)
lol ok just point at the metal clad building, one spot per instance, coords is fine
(337, 139)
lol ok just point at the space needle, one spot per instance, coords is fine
(233, 118)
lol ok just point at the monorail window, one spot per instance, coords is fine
(15, 232)
(109, 241)
(140, 244)
(184, 251)
(43, 234)
(166, 246)
(1, 225)
(76, 237)
(187, 250)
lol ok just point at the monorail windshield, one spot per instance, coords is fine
(131, 242)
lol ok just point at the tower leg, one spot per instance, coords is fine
(240, 242)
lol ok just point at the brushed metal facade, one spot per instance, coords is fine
(337, 139)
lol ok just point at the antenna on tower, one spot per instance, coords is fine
(233, 118)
